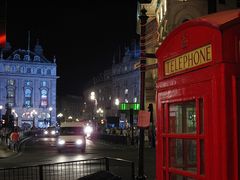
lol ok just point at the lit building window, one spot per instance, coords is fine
(44, 83)
(7, 68)
(48, 72)
(11, 92)
(39, 71)
(28, 70)
(135, 99)
(44, 98)
(28, 97)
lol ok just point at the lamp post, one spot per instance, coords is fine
(59, 116)
(1, 107)
(70, 118)
(33, 113)
(50, 111)
(100, 112)
(93, 98)
(117, 102)
(143, 18)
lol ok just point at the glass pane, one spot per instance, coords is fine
(202, 164)
(182, 154)
(179, 177)
(182, 118)
(164, 117)
(164, 152)
(201, 116)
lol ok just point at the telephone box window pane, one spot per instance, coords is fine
(180, 177)
(201, 116)
(164, 118)
(182, 117)
(182, 154)
(202, 164)
(164, 152)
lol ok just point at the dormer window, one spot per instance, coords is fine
(36, 58)
(26, 58)
(16, 57)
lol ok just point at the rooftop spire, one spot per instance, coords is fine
(28, 49)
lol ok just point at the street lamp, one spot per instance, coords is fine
(33, 113)
(59, 116)
(93, 98)
(50, 110)
(1, 107)
(100, 111)
(70, 118)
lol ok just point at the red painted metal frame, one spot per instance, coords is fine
(213, 82)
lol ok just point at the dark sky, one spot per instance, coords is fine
(83, 35)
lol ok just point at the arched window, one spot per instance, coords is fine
(44, 97)
(39, 71)
(48, 72)
(11, 92)
(28, 97)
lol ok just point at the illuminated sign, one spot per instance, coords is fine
(128, 106)
(188, 60)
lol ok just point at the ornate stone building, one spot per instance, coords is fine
(120, 83)
(28, 86)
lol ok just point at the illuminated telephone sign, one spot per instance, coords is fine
(188, 60)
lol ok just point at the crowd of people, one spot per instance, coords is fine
(132, 134)
(10, 137)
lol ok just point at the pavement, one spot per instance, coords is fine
(5, 152)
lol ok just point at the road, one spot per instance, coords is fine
(43, 151)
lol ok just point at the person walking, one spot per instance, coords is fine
(14, 137)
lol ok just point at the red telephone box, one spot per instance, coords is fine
(198, 100)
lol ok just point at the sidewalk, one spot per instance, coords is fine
(5, 152)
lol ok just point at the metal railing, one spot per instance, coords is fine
(71, 170)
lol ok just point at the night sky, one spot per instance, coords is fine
(83, 35)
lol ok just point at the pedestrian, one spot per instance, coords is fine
(14, 137)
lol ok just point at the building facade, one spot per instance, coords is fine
(28, 87)
(120, 84)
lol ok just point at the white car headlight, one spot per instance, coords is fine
(88, 130)
(61, 142)
(45, 132)
(53, 132)
(79, 141)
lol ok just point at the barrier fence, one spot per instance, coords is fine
(71, 170)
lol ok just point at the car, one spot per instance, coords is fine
(71, 136)
(50, 132)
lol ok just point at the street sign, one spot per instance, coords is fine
(143, 119)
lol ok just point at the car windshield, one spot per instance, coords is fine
(51, 128)
(71, 131)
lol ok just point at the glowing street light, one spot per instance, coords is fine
(33, 113)
(50, 110)
(1, 107)
(117, 102)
